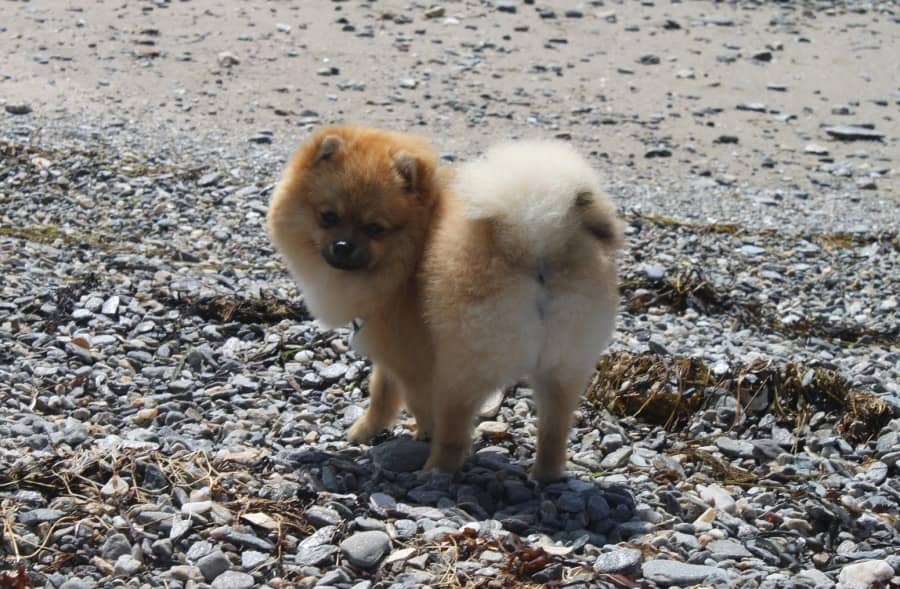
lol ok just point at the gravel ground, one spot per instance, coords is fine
(172, 417)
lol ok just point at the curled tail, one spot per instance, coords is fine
(539, 194)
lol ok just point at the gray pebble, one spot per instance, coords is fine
(213, 564)
(233, 580)
(617, 561)
(366, 549)
(671, 572)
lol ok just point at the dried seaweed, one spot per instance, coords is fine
(266, 311)
(650, 387)
(669, 391)
(688, 288)
(95, 478)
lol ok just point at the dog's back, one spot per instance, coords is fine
(528, 263)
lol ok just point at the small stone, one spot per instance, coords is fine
(618, 561)
(649, 59)
(227, 59)
(77, 583)
(115, 546)
(616, 458)
(251, 559)
(854, 133)
(180, 527)
(752, 106)
(658, 152)
(233, 580)
(37, 516)
(490, 428)
(18, 108)
(127, 566)
(726, 139)
(491, 406)
(196, 507)
(653, 272)
(735, 448)
(320, 516)
(209, 179)
(261, 138)
(315, 555)
(723, 549)
(671, 572)
(877, 472)
(366, 549)
(213, 564)
(506, 6)
(764, 56)
(110, 306)
(814, 149)
(752, 250)
(186, 572)
(435, 12)
(400, 455)
(717, 497)
(862, 575)
(332, 373)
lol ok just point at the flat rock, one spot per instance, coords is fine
(862, 575)
(213, 564)
(315, 555)
(853, 133)
(401, 455)
(618, 561)
(18, 108)
(36, 516)
(671, 572)
(723, 549)
(126, 566)
(366, 549)
(233, 580)
(735, 448)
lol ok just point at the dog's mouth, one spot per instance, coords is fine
(344, 254)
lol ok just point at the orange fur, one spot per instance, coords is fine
(454, 306)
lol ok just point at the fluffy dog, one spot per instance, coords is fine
(464, 280)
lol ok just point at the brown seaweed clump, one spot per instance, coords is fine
(668, 391)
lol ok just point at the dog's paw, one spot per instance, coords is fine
(361, 432)
(547, 473)
(448, 461)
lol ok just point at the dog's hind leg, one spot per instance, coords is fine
(556, 398)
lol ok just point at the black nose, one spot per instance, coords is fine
(342, 250)
(345, 255)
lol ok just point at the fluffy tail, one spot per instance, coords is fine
(539, 194)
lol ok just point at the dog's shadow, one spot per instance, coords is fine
(492, 489)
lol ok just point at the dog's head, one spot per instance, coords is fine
(352, 212)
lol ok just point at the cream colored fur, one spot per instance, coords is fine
(513, 276)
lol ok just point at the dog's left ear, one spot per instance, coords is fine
(407, 167)
(415, 173)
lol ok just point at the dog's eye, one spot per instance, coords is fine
(330, 219)
(373, 229)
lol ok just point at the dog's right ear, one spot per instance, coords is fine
(329, 146)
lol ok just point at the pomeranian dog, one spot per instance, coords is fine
(460, 281)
